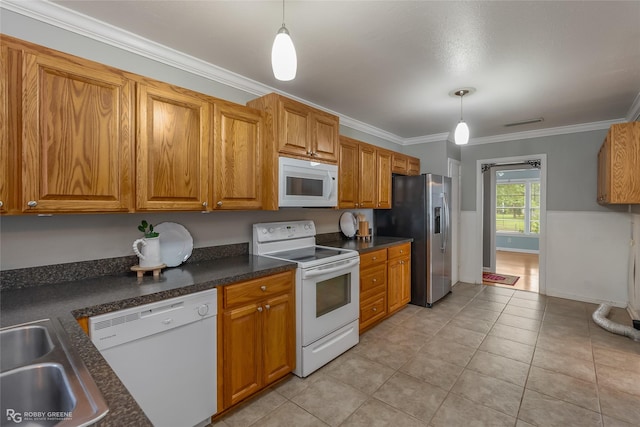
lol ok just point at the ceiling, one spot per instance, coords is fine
(392, 64)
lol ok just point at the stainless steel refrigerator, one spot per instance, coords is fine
(420, 209)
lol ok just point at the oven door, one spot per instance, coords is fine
(330, 298)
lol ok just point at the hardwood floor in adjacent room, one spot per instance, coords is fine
(519, 264)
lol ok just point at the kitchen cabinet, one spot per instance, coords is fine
(373, 288)
(364, 175)
(385, 283)
(238, 157)
(405, 165)
(619, 165)
(398, 277)
(5, 174)
(383, 179)
(76, 145)
(300, 130)
(257, 335)
(172, 153)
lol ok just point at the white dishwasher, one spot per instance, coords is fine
(165, 354)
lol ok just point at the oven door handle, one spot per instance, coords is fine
(321, 271)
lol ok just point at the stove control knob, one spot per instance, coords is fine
(203, 309)
(264, 231)
(306, 226)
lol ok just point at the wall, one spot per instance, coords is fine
(517, 243)
(432, 155)
(587, 245)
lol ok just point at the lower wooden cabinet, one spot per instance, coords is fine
(385, 283)
(257, 335)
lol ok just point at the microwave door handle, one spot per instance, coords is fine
(320, 271)
(331, 183)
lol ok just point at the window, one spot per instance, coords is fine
(518, 207)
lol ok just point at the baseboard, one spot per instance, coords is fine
(585, 299)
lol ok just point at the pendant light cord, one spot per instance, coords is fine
(283, 13)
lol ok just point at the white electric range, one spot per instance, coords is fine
(327, 290)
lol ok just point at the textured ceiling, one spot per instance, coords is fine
(392, 64)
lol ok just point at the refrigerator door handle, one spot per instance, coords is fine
(445, 228)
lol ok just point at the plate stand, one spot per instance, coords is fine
(141, 270)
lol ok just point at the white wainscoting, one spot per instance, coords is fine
(587, 256)
(469, 249)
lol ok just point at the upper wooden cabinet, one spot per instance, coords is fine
(405, 165)
(364, 175)
(300, 130)
(238, 157)
(172, 153)
(76, 139)
(619, 165)
(5, 174)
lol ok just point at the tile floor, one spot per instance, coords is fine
(483, 356)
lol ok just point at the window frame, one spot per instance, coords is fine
(527, 207)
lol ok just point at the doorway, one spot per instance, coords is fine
(511, 216)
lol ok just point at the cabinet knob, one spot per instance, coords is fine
(374, 258)
(355, 205)
(401, 262)
(263, 288)
(219, 203)
(401, 250)
(374, 280)
(1, 204)
(205, 204)
(267, 306)
(32, 203)
(260, 309)
(310, 153)
(374, 309)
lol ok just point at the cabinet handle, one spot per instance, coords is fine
(310, 153)
(374, 309)
(374, 258)
(32, 203)
(401, 262)
(401, 250)
(263, 288)
(355, 205)
(260, 309)
(267, 306)
(205, 204)
(374, 280)
(1, 204)
(219, 203)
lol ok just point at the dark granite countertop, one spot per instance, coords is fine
(68, 301)
(362, 246)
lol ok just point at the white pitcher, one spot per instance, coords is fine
(149, 255)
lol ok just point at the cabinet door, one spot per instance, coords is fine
(237, 159)
(293, 128)
(348, 176)
(279, 352)
(172, 151)
(603, 171)
(242, 367)
(414, 166)
(399, 283)
(623, 186)
(383, 173)
(76, 136)
(400, 164)
(367, 191)
(324, 135)
(5, 176)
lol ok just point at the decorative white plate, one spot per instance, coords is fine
(176, 243)
(348, 224)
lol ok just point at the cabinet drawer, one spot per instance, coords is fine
(371, 258)
(372, 311)
(399, 250)
(255, 289)
(373, 277)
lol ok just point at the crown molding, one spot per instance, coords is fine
(69, 20)
(634, 111)
(561, 130)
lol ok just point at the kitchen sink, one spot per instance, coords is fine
(43, 382)
(44, 388)
(23, 345)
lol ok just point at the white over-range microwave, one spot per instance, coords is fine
(305, 183)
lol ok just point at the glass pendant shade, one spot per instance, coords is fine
(461, 136)
(283, 56)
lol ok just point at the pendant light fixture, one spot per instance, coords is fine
(461, 135)
(284, 61)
